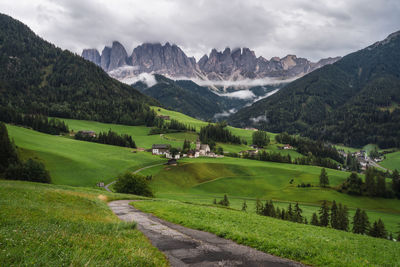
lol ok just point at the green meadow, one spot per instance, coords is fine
(203, 179)
(78, 163)
(392, 161)
(51, 225)
(312, 245)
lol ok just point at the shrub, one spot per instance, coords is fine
(30, 170)
(136, 184)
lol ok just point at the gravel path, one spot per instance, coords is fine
(188, 247)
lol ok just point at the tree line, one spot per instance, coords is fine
(13, 168)
(306, 146)
(374, 185)
(162, 126)
(109, 138)
(218, 133)
(38, 123)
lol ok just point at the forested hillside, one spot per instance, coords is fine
(353, 101)
(38, 78)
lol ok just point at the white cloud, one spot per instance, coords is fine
(259, 119)
(245, 83)
(146, 78)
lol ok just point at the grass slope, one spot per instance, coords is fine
(308, 244)
(201, 180)
(47, 225)
(79, 163)
(392, 161)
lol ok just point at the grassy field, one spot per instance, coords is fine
(48, 225)
(309, 244)
(138, 133)
(78, 163)
(392, 161)
(201, 180)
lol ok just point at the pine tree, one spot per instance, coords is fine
(324, 214)
(334, 216)
(314, 219)
(259, 206)
(323, 178)
(378, 229)
(396, 183)
(290, 212)
(297, 217)
(357, 222)
(370, 182)
(8, 153)
(244, 206)
(215, 201)
(381, 186)
(343, 217)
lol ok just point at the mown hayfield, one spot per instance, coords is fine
(312, 245)
(203, 179)
(392, 161)
(48, 225)
(78, 163)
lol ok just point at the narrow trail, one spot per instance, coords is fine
(188, 247)
(107, 187)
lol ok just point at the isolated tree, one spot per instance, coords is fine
(136, 184)
(297, 217)
(324, 214)
(225, 201)
(334, 216)
(323, 178)
(244, 206)
(314, 219)
(215, 201)
(260, 138)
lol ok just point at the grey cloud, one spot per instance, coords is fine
(311, 29)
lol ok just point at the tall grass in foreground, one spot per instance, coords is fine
(46, 225)
(308, 244)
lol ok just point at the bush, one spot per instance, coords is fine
(136, 184)
(30, 170)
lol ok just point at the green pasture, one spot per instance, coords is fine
(78, 163)
(392, 161)
(49, 225)
(317, 246)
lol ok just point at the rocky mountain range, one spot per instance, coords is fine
(171, 61)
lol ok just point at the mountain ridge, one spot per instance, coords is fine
(171, 61)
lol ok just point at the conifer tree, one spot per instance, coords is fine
(324, 214)
(8, 153)
(244, 206)
(290, 212)
(378, 229)
(259, 206)
(370, 182)
(323, 178)
(343, 217)
(396, 183)
(297, 213)
(314, 219)
(334, 216)
(381, 186)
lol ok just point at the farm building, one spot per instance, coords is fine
(160, 149)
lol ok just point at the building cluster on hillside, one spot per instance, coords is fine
(201, 150)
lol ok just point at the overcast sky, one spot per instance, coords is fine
(307, 28)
